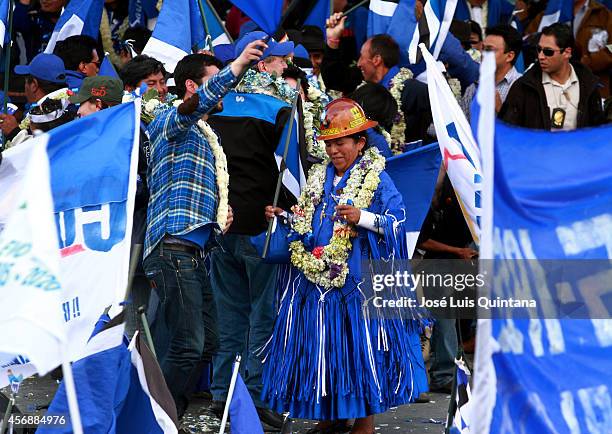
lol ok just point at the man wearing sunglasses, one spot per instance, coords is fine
(80, 57)
(554, 94)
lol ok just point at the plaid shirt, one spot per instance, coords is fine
(181, 174)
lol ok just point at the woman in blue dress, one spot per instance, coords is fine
(332, 356)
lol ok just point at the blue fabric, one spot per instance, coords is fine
(74, 79)
(565, 8)
(274, 48)
(4, 8)
(388, 77)
(89, 11)
(198, 236)
(379, 142)
(318, 15)
(104, 148)
(278, 247)
(314, 323)
(45, 66)
(181, 172)
(246, 301)
(242, 411)
(107, 68)
(499, 11)
(140, 11)
(174, 17)
(265, 13)
(358, 22)
(400, 26)
(218, 34)
(414, 174)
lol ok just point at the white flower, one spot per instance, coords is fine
(151, 104)
(127, 97)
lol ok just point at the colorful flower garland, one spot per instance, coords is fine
(266, 84)
(327, 265)
(398, 130)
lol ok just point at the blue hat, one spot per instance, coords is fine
(300, 52)
(48, 67)
(224, 52)
(274, 48)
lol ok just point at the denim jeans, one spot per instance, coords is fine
(184, 315)
(244, 288)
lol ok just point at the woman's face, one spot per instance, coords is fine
(343, 152)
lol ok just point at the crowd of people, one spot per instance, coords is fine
(207, 176)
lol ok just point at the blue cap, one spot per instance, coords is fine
(224, 52)
(300, 52)
(48, 67)
(274, 48)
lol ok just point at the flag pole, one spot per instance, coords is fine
(205, 23)
(73, 404)
(282, 168)
(212, 9)
(230, 393)
(361, 3)
(7, 60)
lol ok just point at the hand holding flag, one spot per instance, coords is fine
(251, 53)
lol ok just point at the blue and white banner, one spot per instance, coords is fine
(543, 373)
(557, 11)
(81, 17)
(397, 19)
(414, 174)
(30, 279)
(459, 150)
(433, 27)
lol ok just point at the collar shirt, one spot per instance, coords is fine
(503, 87)
(565, 96)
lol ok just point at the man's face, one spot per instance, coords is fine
(30, 89)
(158, 82)
(316, 57)
(366, 64)
(209, 71)
(52, 6)
(88, 107)
(91, 69)
(558, 58)
(275, 65)
(496, 44)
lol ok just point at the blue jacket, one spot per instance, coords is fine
(74, 79)
(499, 11)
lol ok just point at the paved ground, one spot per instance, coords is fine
(36, 393)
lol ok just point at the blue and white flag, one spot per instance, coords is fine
(4, 13)
(544, 205)
(33, 332)
(142, 13)
(395, 18)
(242, 411)
(414, 174)
(120, 389)
(81, 17)
(215, 29)
(459, 150)
(557, 11)
(107, 68)
(265, 13)
(433, 27)
(463, 399)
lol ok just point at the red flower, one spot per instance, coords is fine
(317, 252)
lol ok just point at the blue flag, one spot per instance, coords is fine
(215, 28)
(397, 19)
(81, 17)
(141, 11)
(243, 415)
(547, 220)
(557, 11)
(414, 174)
(120, 389)
(265, 13)
(433, 27)
(4, 12)
(318, 15)
(107, 68)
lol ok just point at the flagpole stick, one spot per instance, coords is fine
(282, 169)
(73, 404)
(212, 9)
(147, 330)
(7, 414)
(361, 3)
(205, 23)
(7, 62)
(230, 393)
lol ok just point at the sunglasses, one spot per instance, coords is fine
(548, 52)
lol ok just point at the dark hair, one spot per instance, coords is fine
(46, 86)
(139, 68)
(358, 136)
(562, 33)
(475, 28)
(386, 47)
(74, 50)
(192, 67)
(49, 106)
(294, 72)
(140, 36)
(377, 103)
(512, 38)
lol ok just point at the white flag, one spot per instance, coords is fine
(30, 290)
(460, 152)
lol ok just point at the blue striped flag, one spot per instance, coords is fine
(557, 11)
(81, 17)
(433, 27)
(140, 12)
(397, 19)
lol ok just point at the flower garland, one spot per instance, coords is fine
(398, 130)
(313, 110)
(266, 84)
(57, 95)
(327, 265)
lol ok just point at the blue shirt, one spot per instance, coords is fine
(181, 173)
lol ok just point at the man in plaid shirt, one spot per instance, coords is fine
(182, 214)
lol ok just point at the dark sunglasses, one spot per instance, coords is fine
(548, 52)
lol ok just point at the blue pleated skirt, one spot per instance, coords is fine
(329, 359)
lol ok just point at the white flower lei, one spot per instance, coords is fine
(327, 265)
(398, 129)
(313, 108)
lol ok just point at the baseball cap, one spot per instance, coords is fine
(274, 48)
(106, 89)
(48, 67)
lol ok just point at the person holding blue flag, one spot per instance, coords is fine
(187, 180)
(325, 359)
